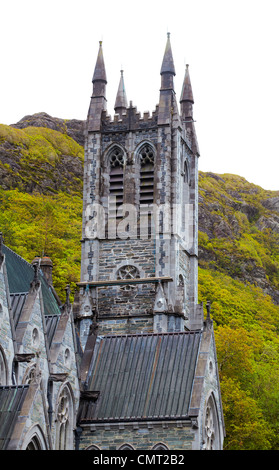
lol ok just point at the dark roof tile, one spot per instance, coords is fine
(142, 376)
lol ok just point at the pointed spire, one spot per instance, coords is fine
(100, 71)
(121, 99)
(167, 102)
(98, 102)
(187, 93)
(168, 64)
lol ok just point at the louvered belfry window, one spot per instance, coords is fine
(146, 175)
(116, 180)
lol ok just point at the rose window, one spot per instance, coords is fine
(128, 272)
(63, 407)
(209, 428)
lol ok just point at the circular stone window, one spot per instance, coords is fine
(128, 272)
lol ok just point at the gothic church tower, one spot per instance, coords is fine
(139, 236)
(149, 362)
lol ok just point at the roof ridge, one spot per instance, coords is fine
(165, 333)
(8, 248)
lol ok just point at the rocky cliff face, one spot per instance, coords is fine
(42, 154)
(74, 128)
(239, 230)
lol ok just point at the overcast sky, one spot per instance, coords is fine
(49, 49)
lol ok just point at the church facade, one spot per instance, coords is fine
(132, 363)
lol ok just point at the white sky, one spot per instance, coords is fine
(49, 50)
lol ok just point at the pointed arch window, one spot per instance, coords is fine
(126, 447)
(146, 155)
(160, 446)
(116, 179)
(211, 435)
(34, 444)
(65, 420)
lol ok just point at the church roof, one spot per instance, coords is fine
(20, 274)
(11, 401)
(143, 376)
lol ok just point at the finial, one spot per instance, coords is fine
(168, 64)
(121, 99)
(36, 266)
(68, 291)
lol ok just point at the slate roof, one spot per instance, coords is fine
(143, 376)
(51, 325)
(17, 303)
(20, 274)
(11, 401)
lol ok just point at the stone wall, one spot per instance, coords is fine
(140, 436)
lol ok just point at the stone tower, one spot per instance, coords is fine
(140, 203)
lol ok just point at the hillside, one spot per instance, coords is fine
(239, 230)
(41, 171)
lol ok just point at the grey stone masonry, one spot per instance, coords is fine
(129, 159)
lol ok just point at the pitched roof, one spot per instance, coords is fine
(142, 376)
(21, 273)
(11, 401)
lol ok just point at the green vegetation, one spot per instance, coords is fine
(239, 261)
(37, 225)
(41, 213)
(38, 159)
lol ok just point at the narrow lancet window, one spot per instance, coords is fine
(116, 162)
(146, 175)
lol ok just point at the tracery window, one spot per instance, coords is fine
(128, 272)
(211, 427)
(65, 419)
